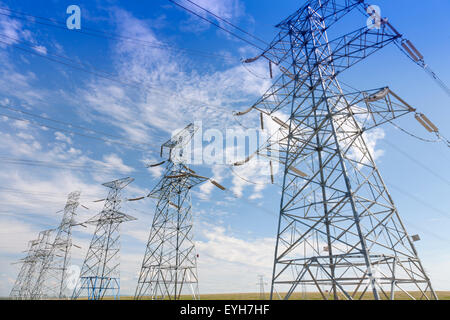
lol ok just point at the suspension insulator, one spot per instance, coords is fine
(300, 173)
(243, 112)
(410, 53)
(431, 124)
(419, 119)
(271, 171)
(280, 122)
(418, 54)
(270, 69)
(250, 60)
(217, 185)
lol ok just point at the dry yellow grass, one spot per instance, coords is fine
(443, 295)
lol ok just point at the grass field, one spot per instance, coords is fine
(443, 295)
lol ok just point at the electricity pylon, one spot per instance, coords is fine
(261, 284)
(38, 250)
(51, 281)
(169, 267)
(100, 274)
(339, 230)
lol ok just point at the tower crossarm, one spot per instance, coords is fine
(346, 50)
(375, 107)
(176, 175)
(367, 110)
(301, 54)
(330, 10)
(300, 64)
(179, 140)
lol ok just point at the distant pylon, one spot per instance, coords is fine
(169, 267)
(261, 284)
(51, 281)
(17, 291)
(339, 229)
(100, 274)
(37, 252)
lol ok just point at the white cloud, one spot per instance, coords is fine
(114, 161)
(62, 137)
(14, 234)
(15, 83)
(230, 264)
(41, 49)
(229, 10)
(220, 246)
(207, 187)
(155, 171)
(167, 88)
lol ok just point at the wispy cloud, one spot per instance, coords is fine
(230, 10)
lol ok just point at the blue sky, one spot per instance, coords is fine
(187, 70)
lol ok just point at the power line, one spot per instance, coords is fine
(36, 193)
(420, 164)
(64, 166)
(227, 22)
(137, 85)
(78, 66)
(435, 235)
(75, 126)
(402, 43)
(72, 132)
(106, 35)
(421, 63)
(412, 134)
(102, 74)
(217, 25)
(37, 48)
(421, 201)
(81, 67)
(106, 75)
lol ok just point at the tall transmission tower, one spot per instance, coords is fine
(339, 229)
(51, 281)
(100, 274)
(169, 267)
(37, 252)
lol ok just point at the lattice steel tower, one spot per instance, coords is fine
(100, 274)
(169, 267)
(339, 230)
(38, 251)
(51, 281)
